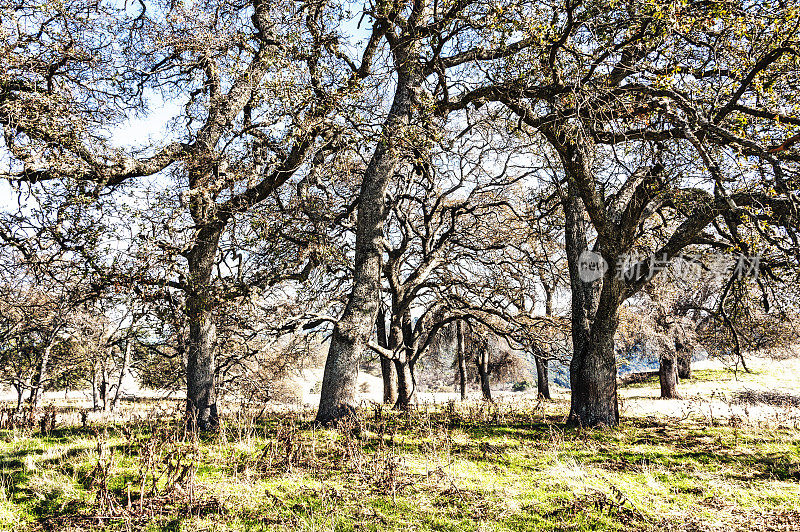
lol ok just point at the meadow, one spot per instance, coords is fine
(453, 466)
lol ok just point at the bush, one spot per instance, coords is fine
(520, 386)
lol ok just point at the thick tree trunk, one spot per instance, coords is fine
(462, 362)
(684, 362)
(406, 384)
(668, 375)
(201, 399)
(388, 371)
(542, 378)
(354, 328)
(593, 373)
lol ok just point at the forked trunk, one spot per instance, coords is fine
(668, 375)
(593, 369)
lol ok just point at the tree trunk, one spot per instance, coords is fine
(668, 375)
(20, 392)
(593, 373)
(95, 388)
(41, 378)
(406, 384)
(542, 378)
(684, 362)
(354, 328)
(542, 373)
(462, 363)
(126, 360)
(482, 361)
(388, 371)
(104, 389)
(201, 400)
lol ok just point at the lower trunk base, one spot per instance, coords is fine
(204, 419)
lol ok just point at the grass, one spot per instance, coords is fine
(453, 467)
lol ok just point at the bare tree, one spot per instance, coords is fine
(255, 82)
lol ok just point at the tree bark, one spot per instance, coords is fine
(388, 371)
(593, 374)
(201, 400)
(20, 392)
(482, 362)
(126, 360)
(462, 363)
(406, 382)
(104, 390)
(542, 378)
(542, 373)
(95, 388)
(684, 361)
(668, 375)
(41, 378)
(354, 328)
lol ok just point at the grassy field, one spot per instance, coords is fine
(514, 466)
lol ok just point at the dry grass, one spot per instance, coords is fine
(467, 466)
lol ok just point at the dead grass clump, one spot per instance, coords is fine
(769, 397)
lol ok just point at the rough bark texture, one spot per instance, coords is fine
(684, 362)
(406, 384)
(104, 385)
(593, 371)
(352, 331)
(462, 363)
(593, 374)
(668, 375)
(542, 379)
(201, 400)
